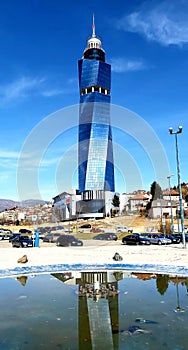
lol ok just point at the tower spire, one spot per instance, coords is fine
(93, 27)
(94, 49)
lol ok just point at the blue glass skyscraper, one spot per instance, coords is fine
(95, 150)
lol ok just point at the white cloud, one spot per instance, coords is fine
(25, 87)
(19, 88)
(8, 160)
(56, 92)
(166, 23)
(52, 92)
(120, 65)
(9, 154)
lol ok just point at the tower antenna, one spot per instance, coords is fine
(93, 27)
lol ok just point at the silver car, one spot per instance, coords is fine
(158, 239)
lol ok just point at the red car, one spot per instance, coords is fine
(96, 230)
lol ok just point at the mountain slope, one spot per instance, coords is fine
(9, 203)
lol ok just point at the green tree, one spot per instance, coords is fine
(156, 193)
(162, 283)
(184, 190)
(116, 201)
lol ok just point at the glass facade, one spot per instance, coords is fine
(95, 154)
(95, 54)
(91, 206)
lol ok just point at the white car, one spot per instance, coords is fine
(123, 229)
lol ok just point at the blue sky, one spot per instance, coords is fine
(146, 42)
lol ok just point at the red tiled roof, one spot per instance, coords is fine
(140, 196)
(173, 193)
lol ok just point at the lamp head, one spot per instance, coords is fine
(180, 129)
(170, 130)
(169, 176)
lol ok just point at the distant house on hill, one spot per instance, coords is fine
(162, 208)
(124, 202)
(138, 201)
(174, 195)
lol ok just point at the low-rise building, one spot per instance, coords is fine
(162, 208)
(138, 201)
(124, 202)
(171, 193)
(64, 206)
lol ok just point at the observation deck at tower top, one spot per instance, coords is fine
(94, 50)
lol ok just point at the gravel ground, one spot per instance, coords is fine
(93, 252)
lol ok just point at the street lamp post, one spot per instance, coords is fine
(178, 307)
(169, 186)
(179, 131)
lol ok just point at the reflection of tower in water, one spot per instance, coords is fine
(98, 310)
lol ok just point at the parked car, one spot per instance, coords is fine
(5, 233)
(85, 226)
(68, 240)
(25, 230)
(59, 227)
(122, 229)
(13, 235)
(51, 237)
(68, 229)
(136, 239)
(108, 236)
(5, 230)
(44, 229)
(181, 237)
(96, 229)
(22, 242)
(158, 239)
(173, 238)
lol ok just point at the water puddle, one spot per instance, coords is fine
(94, 310)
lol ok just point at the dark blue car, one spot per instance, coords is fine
(22, 242)
(108, 236)
(179, 235)
(136, 239)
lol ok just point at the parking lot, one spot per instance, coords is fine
(87, 243)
